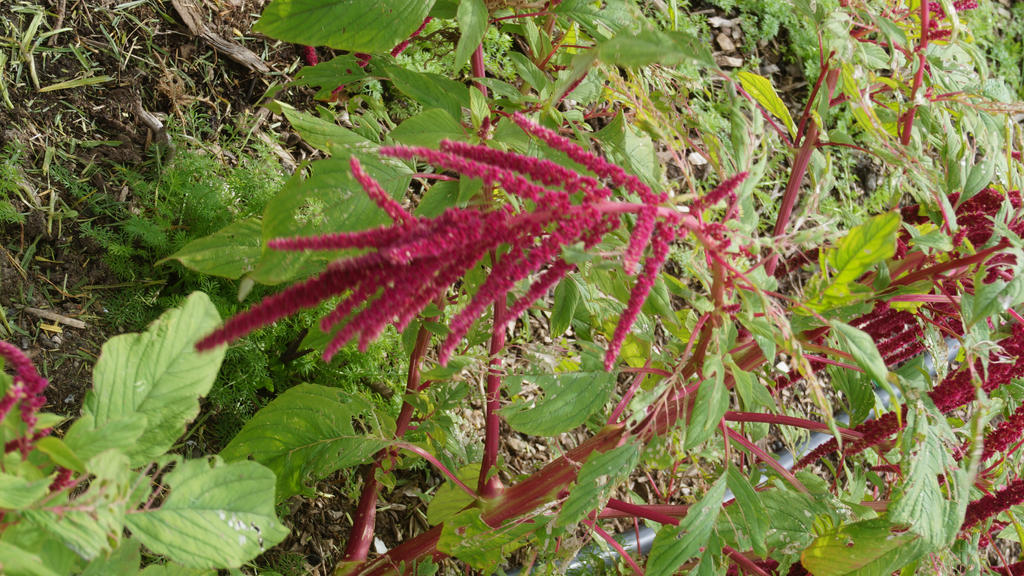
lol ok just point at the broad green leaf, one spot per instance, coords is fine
(919, 501)
(430, 90)
(869, 548)
(600, 475)
(472, 19)
(631, 149)
(18, 562)
(329, 199)
(651, 46)
(856, 253)
(329, 75)
(990, 298)
(428, 128)
(569, 399)
(218, 516)
(860, 344)
(158, 374)
(761, 89)
(124, 559)
(60, 453)
(354, 25)
(438, 198)
(468, 538)
(710, 405)
(567, 298)
(675, 545)
(229, 253)
(752, 518)
(326, 136)
(307, 433)
(89, 533)
(17, 492)
(449, 499)
(88, 440)
(171, 569)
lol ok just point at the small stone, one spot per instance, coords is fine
(725, 43)
(728, 61)
(696, 158)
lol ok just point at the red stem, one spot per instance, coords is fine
(796, 177)
(361, 535)
(907, 123)
(651, 513)
(616, 546)
(621, 406)
(767, 459)
(489, 485)
(743, 562)
(782, 420)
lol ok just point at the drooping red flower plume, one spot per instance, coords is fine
(413, 261)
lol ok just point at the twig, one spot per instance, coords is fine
(46, 314)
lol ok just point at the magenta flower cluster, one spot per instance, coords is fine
(414, 261)
(26, 391)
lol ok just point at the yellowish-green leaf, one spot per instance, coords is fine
(761, 89)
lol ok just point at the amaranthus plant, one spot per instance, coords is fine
(524, 233)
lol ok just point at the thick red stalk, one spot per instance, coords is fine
(767, 459)
(796, 177)
(361, 535)
(907, 121)
(489, 485)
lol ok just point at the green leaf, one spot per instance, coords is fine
(307, 433)
(438, 198)
(328, 200)
(89, 534)
(430, 90)
(327, 76)
(218, 516)
(472, 19)
(449, 499)
(428, 128)
(651, 46)
(761, 89)
(865, 245)
(60, 453)
(569, 399)
(87, 439)
(171, 569)
(468, 538)
(354, 25)
(124, 559)
(567, 298)
(326, 136)
(860, 344)
(710, 405)
(157, 374)
(600, 475)
(869, 548)
(17, 492)
(675, 545)
(919, 501)
(18, 562)
(752, 516)
(229, 253)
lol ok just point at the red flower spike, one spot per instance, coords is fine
(987, 506)
(1005, 434)
(309, 56)
(414, 261)
(378, 195)
(727, 189)
(595, 164)
(663, 236)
